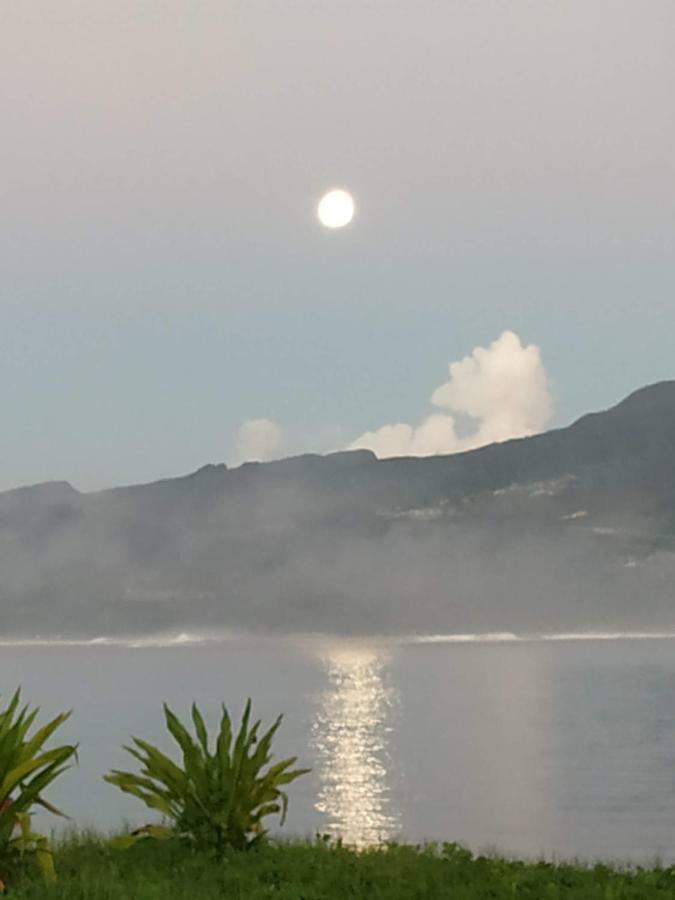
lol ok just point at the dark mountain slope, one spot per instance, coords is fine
(572, 528)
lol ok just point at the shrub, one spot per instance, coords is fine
(218, 798)
(25, 772)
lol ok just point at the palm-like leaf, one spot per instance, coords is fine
(26, 770)
(217, 798)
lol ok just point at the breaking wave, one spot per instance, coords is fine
(507, 637)
(182, 639)
(195, 640)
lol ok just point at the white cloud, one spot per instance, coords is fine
(258, 440)
(503, 388)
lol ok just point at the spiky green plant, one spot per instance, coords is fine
(218, 798)
(26, 770)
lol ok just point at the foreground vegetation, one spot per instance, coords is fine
(215, 801)
(26, 770)
(220, 796)
(90, 869)
(212, 843)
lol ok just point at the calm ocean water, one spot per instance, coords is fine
(563, 748)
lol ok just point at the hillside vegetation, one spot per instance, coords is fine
(573, 529)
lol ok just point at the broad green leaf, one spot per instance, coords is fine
(200, 729)
(42, 736)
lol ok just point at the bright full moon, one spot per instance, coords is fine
(336, 209)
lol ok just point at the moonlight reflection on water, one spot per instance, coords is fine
(350, 737)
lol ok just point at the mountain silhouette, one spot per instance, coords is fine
(574, 528)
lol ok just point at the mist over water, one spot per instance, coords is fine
(562, 747)
(565, 532)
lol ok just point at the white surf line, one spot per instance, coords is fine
(509, 637)
(194, 640)
(610, 636)
(485, 638)
(177, 640)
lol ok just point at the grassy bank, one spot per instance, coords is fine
(89, 870)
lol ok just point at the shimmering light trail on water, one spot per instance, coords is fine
(350, 737)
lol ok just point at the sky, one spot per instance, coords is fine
(169, 299)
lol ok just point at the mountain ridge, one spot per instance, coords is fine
(573, 527)
(658, 397)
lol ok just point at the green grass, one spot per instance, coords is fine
(89, 870)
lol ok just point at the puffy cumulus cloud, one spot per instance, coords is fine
(258, 440)
(502, 388)
(435, 435)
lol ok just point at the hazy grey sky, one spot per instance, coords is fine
(164, 277)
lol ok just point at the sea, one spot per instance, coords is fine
(543, 746)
